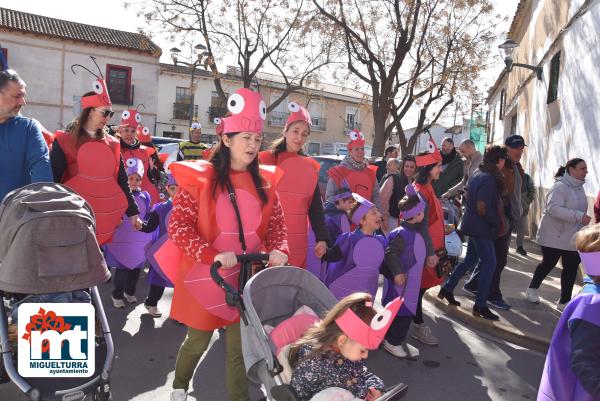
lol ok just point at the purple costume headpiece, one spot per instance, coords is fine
(344, 195)
(591, 262)
(365, 206)
(134, 166)
(418, 208)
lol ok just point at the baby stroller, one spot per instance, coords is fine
(453, 241)
(270, 297)
(48, 252)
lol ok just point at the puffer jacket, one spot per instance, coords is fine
(566, 204)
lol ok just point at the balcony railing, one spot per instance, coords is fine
(350, 125)
(181, 111)
(216, 112)
(278, 118)
(319, 123)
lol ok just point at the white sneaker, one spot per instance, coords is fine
(560, 306)
(422, 333)
(130, 298)
(118, 303)
(178, 394)
(532, 295)
(404, 350)
(153, 311)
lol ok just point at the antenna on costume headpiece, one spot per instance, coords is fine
(138, 107)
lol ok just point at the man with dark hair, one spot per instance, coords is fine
(472, 161)
(391, 152)
(23, 152)
(452, 168)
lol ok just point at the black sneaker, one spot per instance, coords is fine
(521, 251)
(498, 304)
(484, 312)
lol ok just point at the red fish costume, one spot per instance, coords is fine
(132, 118)
(360, 182)
(296, 189)
(197, 301)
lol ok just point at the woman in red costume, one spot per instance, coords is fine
(298, 189)
(204, 229)
(428, 170)
(88, 160)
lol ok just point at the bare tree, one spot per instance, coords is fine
(282, 36)
(412, 54)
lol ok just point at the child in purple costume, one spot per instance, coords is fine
(158, 218)
(336, 213)
(355, 259)
(572, 369)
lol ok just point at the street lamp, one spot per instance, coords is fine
(200, 53)
(507, 49)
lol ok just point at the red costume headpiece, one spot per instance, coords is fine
(143, 134)
(131, 117)
(433, 157)
(357, 138)
(220, 123)
(248, 112)
(100, 97)
(297, 113)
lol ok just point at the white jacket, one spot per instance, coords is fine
(566, 204)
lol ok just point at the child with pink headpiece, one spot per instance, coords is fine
(328, 362)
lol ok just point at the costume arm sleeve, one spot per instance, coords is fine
(277, 231)
(182, 229)
(330, 190)
(151, 224)
(585, 355)
(317, 217)
(385, 193)
(393, 250)
(58, 161)
(132, 208)
(38, 160)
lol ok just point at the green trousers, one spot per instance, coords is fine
(193, 348)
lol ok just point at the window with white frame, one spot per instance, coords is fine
(316, 114)
(278, 116)
(352, 118)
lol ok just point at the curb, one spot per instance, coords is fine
(497, 329)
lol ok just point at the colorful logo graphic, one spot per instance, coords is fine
(56, 340)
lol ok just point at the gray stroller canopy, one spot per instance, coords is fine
(48, 242)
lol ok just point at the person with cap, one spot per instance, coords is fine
(354, 172)
(483, 222)
(158, 219)
(513, 181)
(88, 160)
(473, 159)
(572, 367)
(355, 259)
(23, 151)
(451, 169)
(125, 251)
(192, 149)
(226, 206)
(404, 261)
(298, 188)
(565, 213)
(327, 361)
(132, 148)
(391, 152)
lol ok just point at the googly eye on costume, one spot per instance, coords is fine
(362, 136)
(145, 131)
(262, 110)
(130, 162)
(294, 107)
(98, 87)
(125, 115)
(431, 146)
(217, 120)
(381, 319)
(138, 117)
(162, 196)
(353, 135)
(196, 126)
(236, 103)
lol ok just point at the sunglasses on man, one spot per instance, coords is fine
(106, 113)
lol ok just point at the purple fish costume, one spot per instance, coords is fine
(155, 275)
(126, 249)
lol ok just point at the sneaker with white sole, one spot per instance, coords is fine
(130, 298)
(422, 333)
(404, 350)
(178, 394)
(118, 303)
(532, 295)
(153, 311)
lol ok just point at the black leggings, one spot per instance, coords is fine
(570, 264)
(418, 318)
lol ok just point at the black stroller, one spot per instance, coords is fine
(48, 249)
(269, 297)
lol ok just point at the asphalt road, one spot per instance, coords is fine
(466, 366)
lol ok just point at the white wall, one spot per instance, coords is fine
(44, 64)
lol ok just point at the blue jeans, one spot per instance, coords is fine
(482, 250)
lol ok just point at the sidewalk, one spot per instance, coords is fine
(526, 324)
